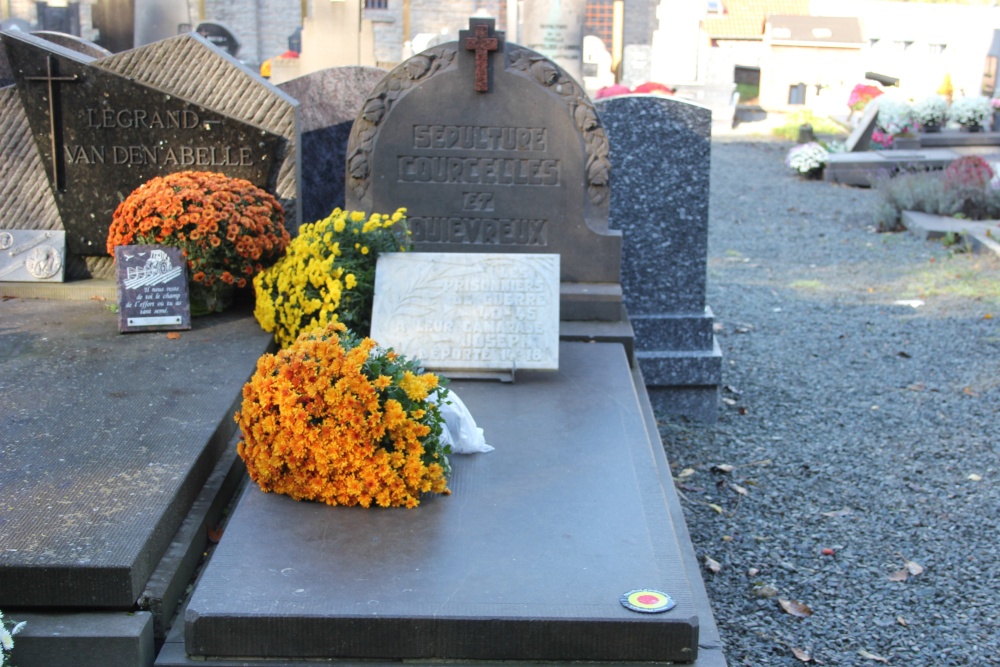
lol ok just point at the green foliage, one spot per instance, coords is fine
(820, 125)
(748, 92)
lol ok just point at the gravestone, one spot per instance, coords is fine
(115, 122)
(32, 255)
(329, 101)
(860, 137)
(554, 28)
(516, 161)
(660, 159)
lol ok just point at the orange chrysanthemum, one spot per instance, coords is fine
(328, 419)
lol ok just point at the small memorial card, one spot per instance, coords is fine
(32, 255)
(152, 288)
(469, 311)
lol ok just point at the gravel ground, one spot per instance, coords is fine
(862, 433)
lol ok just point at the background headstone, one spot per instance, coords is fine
(660, 157)
(519, 167)
(554, 28)
(220, 35)
(860, 137)
(329, 101)
(32, 255)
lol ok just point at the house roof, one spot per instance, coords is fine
(744, 19)
(818, 30)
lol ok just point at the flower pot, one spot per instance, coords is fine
(814, 174)
(996, 121)
(930, 128)
(972, 128)
(206, 299)
(906, 143)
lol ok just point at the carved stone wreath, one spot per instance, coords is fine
(422, 67)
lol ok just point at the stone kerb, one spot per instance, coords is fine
(520, 167)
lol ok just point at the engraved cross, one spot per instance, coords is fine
(482, 44)
(52, 77)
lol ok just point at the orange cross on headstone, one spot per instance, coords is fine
(482, 43)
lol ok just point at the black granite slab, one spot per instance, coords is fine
(101, 135)
(526, 560)
(106, 441)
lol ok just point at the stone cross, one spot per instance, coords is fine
(482, 44)
(55, 130)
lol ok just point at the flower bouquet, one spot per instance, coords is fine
(931, 112)
(227, 228)
(807, 159)
(340, 420)
(971, 112)
(327, 274)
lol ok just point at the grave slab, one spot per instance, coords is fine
(108, 441)
(526, 560)
(865, 168)
(85, 639)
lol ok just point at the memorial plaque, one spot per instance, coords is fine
(152, 288)
(492, 148)
(32, 255)
(469, 311)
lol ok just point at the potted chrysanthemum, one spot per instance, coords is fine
(228, 229)
(930, 113)
(971, 112)
(808, 160)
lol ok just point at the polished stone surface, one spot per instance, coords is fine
(525, 560)
(329, 101)
(660, 158)
(108, 439)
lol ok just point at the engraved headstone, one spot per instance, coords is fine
(85, 132)
(152, 288)
(32, 255)
(554, 28)
(469, 311)
(491, 147)
(861, 136)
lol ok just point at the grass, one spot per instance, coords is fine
(820, 125)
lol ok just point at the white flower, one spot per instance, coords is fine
(970, 110)
(931, 110)
(894, 115)
(807, 157)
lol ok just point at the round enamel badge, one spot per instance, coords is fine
(647, 601)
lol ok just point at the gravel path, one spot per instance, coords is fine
(862, 433)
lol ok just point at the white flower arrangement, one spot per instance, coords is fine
(895, 116)
(806, 158)
(931, 110)
(7, 637)
(970, 111)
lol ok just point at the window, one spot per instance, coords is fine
(936, 49)
(797, 94)
(376, 4)
(600, 20)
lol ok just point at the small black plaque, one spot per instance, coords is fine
(152, 289)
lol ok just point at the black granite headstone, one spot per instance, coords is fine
(492, 147)
(329, 99)
(100, 134)
(152, 288)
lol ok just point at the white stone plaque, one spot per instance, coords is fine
(32, 255)
(469, 311)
